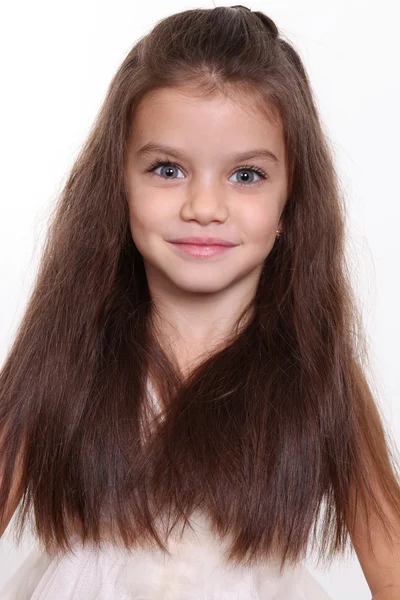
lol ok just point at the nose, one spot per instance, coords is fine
(205, 203)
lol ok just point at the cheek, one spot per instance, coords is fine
(139, 222)
(139, 219)
(146, 219)
(259, 225)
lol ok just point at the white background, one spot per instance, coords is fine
(57, 60)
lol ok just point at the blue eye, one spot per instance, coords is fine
(172, 165)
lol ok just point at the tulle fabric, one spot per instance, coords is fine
(194, 571)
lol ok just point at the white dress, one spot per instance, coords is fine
(194, 571)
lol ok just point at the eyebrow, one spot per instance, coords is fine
(152, 147)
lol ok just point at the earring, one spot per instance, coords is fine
(278, 231)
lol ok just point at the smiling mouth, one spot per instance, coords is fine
(201, 250)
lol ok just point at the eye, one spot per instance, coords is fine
(162, 163)
(251, 169)
(171, 166)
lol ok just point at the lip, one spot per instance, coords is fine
(203, 241)
(201, 251)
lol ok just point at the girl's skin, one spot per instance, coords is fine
(198, 300)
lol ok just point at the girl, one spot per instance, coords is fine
(186, 399)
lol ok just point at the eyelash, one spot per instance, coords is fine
(159, 162)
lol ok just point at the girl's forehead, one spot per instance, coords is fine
(247, 100)
(181, 123)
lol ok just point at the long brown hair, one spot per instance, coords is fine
(276, 435)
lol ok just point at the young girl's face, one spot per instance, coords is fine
(203, 189)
